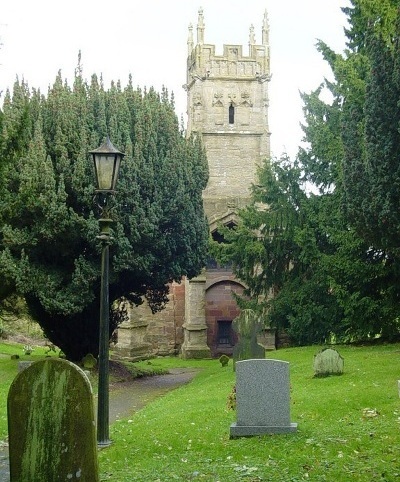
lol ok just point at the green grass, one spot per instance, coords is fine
(8, 371)
(184, 435)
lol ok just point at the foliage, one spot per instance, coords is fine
(308, 271)
(231, 402)
(48, 226)
(309, 248)
(371, 126)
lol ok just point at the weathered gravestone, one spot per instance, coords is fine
(262, 398)
(328, 362)
(247, 325)
(51, 424)
(23, 365)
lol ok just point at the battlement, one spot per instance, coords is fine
(204, 63)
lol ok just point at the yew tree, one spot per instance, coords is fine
(49, 222)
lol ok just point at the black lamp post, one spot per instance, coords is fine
(106, 159)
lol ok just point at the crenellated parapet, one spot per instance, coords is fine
(204, 63)
(228, 90)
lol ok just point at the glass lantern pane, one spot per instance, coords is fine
(117, 164)
(105, 171)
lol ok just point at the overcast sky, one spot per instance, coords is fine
(149, 40)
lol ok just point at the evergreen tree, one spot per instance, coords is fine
(312, 268)
(48, 229)
(371, 126)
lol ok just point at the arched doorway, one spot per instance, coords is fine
(221, 310)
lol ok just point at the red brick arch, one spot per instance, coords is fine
(221, 307)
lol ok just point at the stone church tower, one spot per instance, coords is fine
(227, 99)
(227, 105)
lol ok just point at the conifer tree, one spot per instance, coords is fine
(372, 144)
(48, 228)
(322, 254)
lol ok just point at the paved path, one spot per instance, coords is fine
(124, 401)
(4, 472)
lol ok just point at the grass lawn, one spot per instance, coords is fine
(8, 371)
(184, 435)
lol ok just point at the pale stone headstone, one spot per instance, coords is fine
(23, 365)
(328, 362)
(51, 424)
(247, 325)
(262, 398)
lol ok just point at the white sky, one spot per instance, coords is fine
(149, 40)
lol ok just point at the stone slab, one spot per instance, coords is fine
(328, 362)
(247, 325)
(51, 424)
(252, 430)
(262, 398)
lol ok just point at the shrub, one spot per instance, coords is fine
(224, 360)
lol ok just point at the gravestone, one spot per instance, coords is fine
(247, 325)
(51, 425)
(262, 398)
(23, 365)
(89, 361)
(328, 362)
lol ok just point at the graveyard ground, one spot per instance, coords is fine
(348, 425)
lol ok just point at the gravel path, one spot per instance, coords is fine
(124, 401)
(4, 472)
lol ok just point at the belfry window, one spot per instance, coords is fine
(231, 114)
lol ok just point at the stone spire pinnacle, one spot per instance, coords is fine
(252, 39)
(190, 39)
(265, 29)
(200, 27)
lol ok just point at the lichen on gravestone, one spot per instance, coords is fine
(328, 362)
(51, 424)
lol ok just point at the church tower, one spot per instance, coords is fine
(227, 104)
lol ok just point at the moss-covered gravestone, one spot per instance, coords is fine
(51, 424)
(328, 362)
(247, 325)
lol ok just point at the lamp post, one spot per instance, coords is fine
(106, 160)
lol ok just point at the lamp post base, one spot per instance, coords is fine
(102, 445)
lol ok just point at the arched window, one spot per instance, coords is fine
(231, 114)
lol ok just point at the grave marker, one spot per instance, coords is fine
(328, 362)
(51, 424)
(262, 398)
(247, 325)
